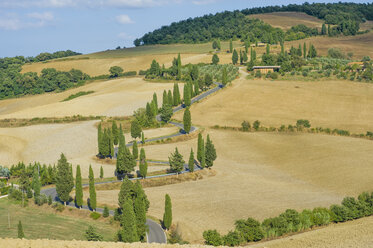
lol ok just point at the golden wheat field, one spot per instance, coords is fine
(286, 20)
(350, 234)
(329, 104)
(260, 175)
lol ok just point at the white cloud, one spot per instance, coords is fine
(46, 16)
(124, 19)
(11, 21)
(37, 3)
(203, 2)
(10, 24)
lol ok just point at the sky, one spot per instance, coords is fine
(29, 27)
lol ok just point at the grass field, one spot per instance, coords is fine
(261, 175)
(286, 20)
(330, 104)
(43, 223)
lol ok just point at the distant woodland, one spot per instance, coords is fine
(341, 18)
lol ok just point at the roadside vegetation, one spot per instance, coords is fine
(80, 93)
(291, 221)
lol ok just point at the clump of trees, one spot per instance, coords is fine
(291, 221)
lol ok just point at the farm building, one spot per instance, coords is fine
(266, 69)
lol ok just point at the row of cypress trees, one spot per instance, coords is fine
(107, 139)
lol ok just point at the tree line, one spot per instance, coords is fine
(291, 221)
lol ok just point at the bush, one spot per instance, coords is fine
(95, 215)
(277, 226)
(292, 218)
(16, 194)
(130, 73)
(40, 200)
(336, 53)
(105, 214)
(256, 125)
(274, 75)
(249, 229)
(353, 206)
(340, 213)
(303, 123)
(142, 72)
(58, 206)
(117, 214)
(245, 126)
(258, 74)
(92, 235)
(212, 237)
(50, 200)
(305, 219)
(320, 216)
(233, 239)
(304, 73)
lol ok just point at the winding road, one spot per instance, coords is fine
(155, 232)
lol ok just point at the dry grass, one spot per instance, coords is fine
(333, 104)
(286, 20)
(111, 98)
(261, 175)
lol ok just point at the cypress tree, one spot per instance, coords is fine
(155, 100)
(210, 153)
(143, 168)
(101, 172)
(154, 108)
(176, 161)
(176, 95)
(200, 147)
(282, 48)
(142, 154)
(323, 29)
(142, 138)
(36, 183)
(129, 162)
(99, 139)
(247, 44)
(304, 50)
(300, 50)
(121, 138)
(128, 234)
(111, 136)
(178, 69)
(115, 131)
(241, 58)
(106, 149)
(64, 181)
(203, 162)
(196, 88)
(21, 234)
(106, 212)
(329, 30)
(135, 150)
(165, 98)
(224, 77)
(135, 129)
(140, 214)
(167, 216)
(92, 190)
(268, 49)
(187, 95)
(170, 100)
(191, 161)
(254, 54)
(78, 188)
(140, 193)
(234, 57)
(230, 46)
(215, 59)
(126, 191)
(149, 112)
(245, 58)
(187, 120)
(120, 159)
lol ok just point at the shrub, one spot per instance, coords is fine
(256, 125)
(50, 200)
(95, 215)
(15, 194)
(320, 216)
(92, 235)
(305, 219)
(340, 213)
(105, 214)
(303, 123)
(232, 239)
(245, 126)
(142, 72)
(258, 74)
(292, 218)
(130, 73)
(304, 73)
(275, 226)
(249, 229)
(212, 237)
(58, 206)
(351, 204)
(274, 75)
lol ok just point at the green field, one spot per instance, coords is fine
(44, 224)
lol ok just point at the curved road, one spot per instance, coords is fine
(155, 233)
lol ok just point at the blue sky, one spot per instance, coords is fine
(29, 27)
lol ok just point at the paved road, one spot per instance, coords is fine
(155, 233)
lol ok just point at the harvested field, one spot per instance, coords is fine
(286, 20)
(329, 104)
(118, 97)
(278, 171)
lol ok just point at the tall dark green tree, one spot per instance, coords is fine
(143, 168)
(166, 113)
(155, 100)
(210, 153)
(312, 53)
(64, 181)
(268, 49)
(126, 192)
(215, 59)
(194, 72)
(178, 68)
(165, 98)
(244, 57)
(191, 161)
(176, 161)
(196, 88)
(241, 58)
(135, 129)
(111, 142)
(142, 138)
(170, 98)
(36, 183)
(140, 213)
(115, 131)
(187, 120)
(128, 233)
(167, 216)
(92, 190)
(125, 161)
(99, 138)
(187, 95)
(135, 150)
(21, 234)
(208, 80)
(176, 97)
(149, 112)
(101, 172)
(200, 147)
(230, 46)
(78, 188)
(234, 57)
(323, 29)
(224, 77)
(304, 50)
